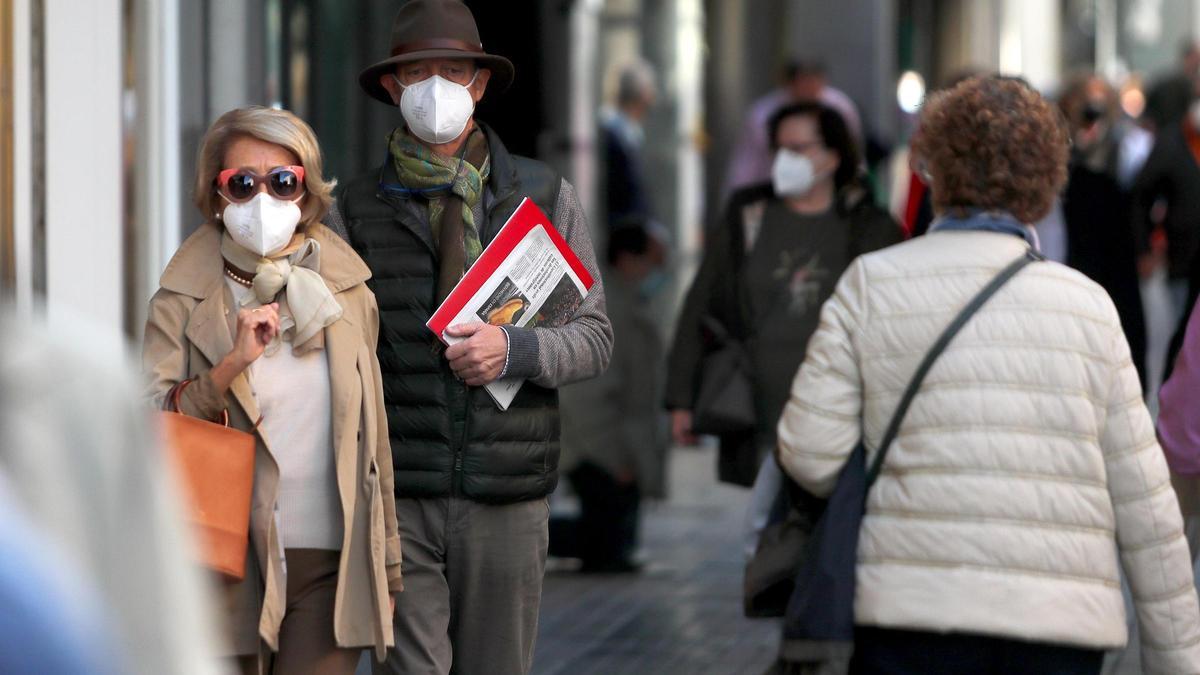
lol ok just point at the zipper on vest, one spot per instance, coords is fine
(456, 483)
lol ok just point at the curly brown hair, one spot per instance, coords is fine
(993, 142)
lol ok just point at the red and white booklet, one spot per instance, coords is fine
(526, 277)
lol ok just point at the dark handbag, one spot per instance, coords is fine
(770, 574)
(725, 398)
(822, 605)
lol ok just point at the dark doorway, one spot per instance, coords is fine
(514, 30)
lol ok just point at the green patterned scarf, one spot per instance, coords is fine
(444, 181)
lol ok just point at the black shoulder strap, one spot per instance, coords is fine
(936, 350)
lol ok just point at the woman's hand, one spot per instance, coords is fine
(681, 427)
(255, 330)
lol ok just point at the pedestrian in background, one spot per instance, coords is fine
(1026, 474)
(803, 80)
(1168, 98)
(614, 435)
(1179, 428)
(263, 314)
(1096, 204)
(471, 480)
(626, 192)
(1171, 175)
(768, 266)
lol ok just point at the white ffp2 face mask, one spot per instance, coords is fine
(263, 225)
(436, 109)
(792, 174)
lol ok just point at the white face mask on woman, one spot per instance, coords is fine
(263, 225)
(793, 174)
(436, 109)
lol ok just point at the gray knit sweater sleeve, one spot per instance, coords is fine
(580, 348)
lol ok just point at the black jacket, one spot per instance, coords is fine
(1100, 243)
(1171, 173)
(447, 438)
(717, 291)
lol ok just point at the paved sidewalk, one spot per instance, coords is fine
(682, 614)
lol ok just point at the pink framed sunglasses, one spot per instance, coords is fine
(240, 185)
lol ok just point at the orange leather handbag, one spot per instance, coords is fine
(216, 467)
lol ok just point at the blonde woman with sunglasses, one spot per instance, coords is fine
(263, 312)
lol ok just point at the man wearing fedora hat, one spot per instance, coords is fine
(471, 481)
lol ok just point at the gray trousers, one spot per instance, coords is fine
(472, 587)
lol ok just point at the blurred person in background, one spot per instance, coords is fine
(471, 480)
(1179, 428)
(626, 192)
(1169, 97)
(1097, 203)
(1171, 175)
(614, 436)
(912, 206)
(768, 266)
(1026, 474)
(1181, 327)
(263, 313)
(51, 624)
(803, 80)
(96, 574)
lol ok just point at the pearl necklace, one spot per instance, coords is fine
(237, 277)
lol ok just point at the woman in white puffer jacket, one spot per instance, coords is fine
(1026, 473)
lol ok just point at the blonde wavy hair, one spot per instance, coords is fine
(273, 126)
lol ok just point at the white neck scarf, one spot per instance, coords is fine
(307, 306)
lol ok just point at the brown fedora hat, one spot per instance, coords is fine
(435, 29)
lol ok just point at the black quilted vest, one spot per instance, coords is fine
(447, 438)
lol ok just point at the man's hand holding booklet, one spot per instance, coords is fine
(527, 277)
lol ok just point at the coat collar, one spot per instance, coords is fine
(197, 271)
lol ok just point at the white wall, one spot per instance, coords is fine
(22, 158)
(83, 161)
(157, 190)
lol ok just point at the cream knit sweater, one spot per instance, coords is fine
(293, 396)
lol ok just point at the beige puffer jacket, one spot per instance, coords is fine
(1026, 463)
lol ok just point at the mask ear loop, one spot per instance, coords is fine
(398, 84)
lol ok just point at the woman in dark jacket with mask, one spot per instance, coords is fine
(769, 266)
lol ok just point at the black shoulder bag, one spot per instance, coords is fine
(725, 395)
(822, 604)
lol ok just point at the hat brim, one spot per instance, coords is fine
(502, 70)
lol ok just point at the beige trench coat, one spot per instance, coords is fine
(189, 329)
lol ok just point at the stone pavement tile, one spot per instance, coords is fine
(682, 614)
